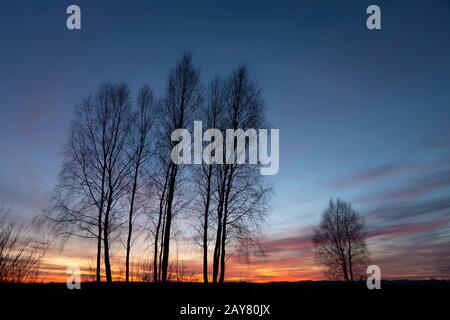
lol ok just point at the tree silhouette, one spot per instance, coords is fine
(20, 252)
(181, 100)
(339, 242)
(205, 176)
(241, 192)
(140, 152)
(95, 172)
(117, 165)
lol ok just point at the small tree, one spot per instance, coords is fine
(20, 253)
(339, 242)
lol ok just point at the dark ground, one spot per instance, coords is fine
(286, 300)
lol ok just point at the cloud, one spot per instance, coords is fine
(369, 175)
(290, 244)
(396, 213)
(418, 256)
(408, 229)
(432, 174)
(423, 185)
(411, 241)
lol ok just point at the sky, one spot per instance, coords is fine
(363, 114)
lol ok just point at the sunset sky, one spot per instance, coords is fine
(363, 115)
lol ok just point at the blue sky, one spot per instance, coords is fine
(363, 115)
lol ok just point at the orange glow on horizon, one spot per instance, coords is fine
(54, 269)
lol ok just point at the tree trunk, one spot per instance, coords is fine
(106, 251)
(224, 227)
(217, 246)
(130, 221)
(350, 265)
(171, 191)
(100, 215)
(161, 248)
(222, 253)
(106, 243)
(99, 247)
(205, 227)
(220, 209)
(156, 265)
(344, 269)
(155, 255)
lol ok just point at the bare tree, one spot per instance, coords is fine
(182, 98)
(20, 252)
(204, 177)
(241, 193)
(161, 182)
(143, 121)
(339, 242)
(93, 180)
(107, 180)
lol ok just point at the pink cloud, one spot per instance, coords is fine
(370, 175)
(408, 229)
